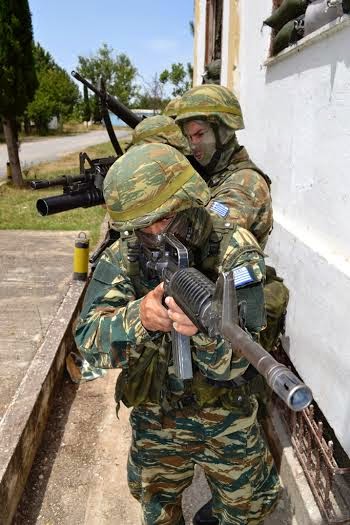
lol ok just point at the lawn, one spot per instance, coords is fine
(18, 205)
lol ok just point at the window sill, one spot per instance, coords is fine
(319, 34)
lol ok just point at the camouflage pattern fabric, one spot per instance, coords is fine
(171, 108)
(228, 445)
(79, 370)
(150, 182)
(160, 128)
(245, 191)
(235, 181)
(163, 453)
(217, 429)
(213, 103)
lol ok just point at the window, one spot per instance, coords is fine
(291, 20)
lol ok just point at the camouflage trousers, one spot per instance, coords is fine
(227, 445)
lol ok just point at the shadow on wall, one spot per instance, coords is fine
(331, 50)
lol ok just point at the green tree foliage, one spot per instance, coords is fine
(116, 69)
(17, 73)
(56, 95)
(17, 78)
(179, 77)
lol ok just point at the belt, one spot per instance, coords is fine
(249, 383)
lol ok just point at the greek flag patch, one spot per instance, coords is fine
(219, 209)
(242, 276)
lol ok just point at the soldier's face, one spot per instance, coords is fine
(158, 227)
(201, 138)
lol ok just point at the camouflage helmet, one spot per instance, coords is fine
(213, 103)
(151, 182)
(160, 129)
(171, 108)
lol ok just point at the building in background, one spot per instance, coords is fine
(296, 107)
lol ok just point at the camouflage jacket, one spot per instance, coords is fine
(244, 189)
(110, 333)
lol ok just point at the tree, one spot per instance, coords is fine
(179, 77)
(56, 95)
(18, 79)
(152, 96)
(118, 72)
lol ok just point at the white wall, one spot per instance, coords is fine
(297, 116)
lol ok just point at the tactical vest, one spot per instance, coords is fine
(240, 165)
(144, 381)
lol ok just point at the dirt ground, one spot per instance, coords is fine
(79, 476)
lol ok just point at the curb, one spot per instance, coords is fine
(23, 423)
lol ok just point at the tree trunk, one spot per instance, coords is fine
(9, 125)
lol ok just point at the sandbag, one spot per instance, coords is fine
(290, 33)
(321, 12)
(288, 10)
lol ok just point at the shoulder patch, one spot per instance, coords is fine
(243, 276)
(219, 208)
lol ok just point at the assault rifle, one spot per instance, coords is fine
(214, 309)
(85, 189)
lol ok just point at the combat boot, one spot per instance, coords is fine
(205, 515)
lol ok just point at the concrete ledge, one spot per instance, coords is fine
(303, 502)
(24, 421)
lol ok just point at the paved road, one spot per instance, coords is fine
(53, 148)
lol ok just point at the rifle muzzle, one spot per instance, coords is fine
(66, 202)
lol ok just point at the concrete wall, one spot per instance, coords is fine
(297, 116)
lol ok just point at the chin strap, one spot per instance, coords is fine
(217, 155)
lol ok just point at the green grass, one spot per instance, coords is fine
(18, 205)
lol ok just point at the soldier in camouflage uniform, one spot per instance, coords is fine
(170, 109)
(211, 419)
(160, 128)
(209, 116)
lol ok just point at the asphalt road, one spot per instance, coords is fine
(53, 148)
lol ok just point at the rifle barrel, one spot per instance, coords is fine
(59, 181)
(114, 105)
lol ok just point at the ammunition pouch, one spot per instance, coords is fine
(276, 302)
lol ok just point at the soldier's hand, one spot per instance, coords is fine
(181, 322)
(154, 316)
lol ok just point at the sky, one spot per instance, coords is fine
(153, 33)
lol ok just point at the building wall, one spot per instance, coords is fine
(297, 116)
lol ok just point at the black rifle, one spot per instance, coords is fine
(85, 189)
(79, 191)
(214, 308)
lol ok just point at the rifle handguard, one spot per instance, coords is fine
(193, 293)
(201, 301)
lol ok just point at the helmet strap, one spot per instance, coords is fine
(219, 149)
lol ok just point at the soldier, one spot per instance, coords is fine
(209, 116)
(211, 419)
(170, 109)
(160, 128)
